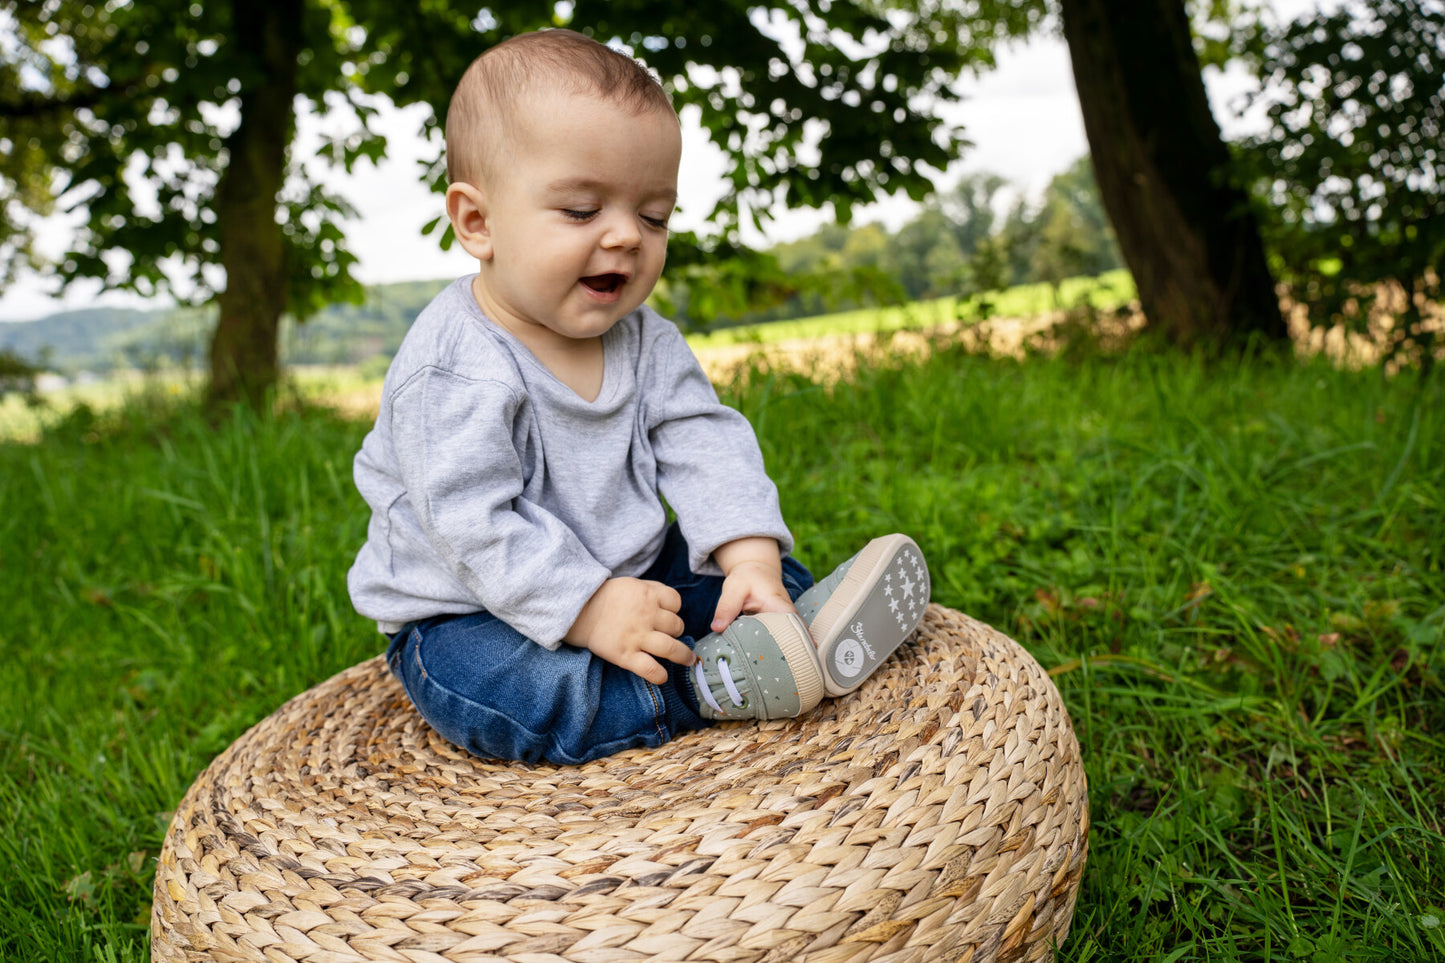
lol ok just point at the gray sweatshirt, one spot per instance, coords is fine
(493, 486)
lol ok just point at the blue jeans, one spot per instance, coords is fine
(489, 689)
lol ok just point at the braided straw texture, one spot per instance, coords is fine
(938, 813)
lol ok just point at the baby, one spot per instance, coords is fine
(536, 426)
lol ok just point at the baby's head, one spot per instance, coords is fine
(500, 85)
(563, 158)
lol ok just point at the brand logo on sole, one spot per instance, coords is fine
(851, 655)
(848, 658)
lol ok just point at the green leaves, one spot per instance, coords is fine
(135, 112)
(1349, 172)
(133, 105)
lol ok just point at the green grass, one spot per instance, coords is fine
(1106, 292)
(1234, 572)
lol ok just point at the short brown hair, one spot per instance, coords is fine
(482, 107)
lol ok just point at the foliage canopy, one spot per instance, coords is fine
(1351, 164)
(144, 119)
(132, 112)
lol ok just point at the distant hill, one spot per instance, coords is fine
(103, 339)
(73, 340)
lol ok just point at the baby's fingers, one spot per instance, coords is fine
(669, 648)
(729, 604)
(669, 624)
(665, 596)
(640, 663)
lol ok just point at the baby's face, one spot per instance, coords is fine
(578, 215)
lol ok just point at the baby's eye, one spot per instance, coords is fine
(579, 215)
(658, 222)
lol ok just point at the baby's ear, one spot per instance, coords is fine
(467, 210)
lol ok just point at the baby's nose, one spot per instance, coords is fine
(622, 232)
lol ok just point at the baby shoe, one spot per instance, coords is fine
(865, 609)
(762, 666)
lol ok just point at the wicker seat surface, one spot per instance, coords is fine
(938, 813)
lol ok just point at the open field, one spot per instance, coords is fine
(833, 337)
(1106, 292)
(1236, 575)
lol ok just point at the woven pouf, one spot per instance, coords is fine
(938, 813)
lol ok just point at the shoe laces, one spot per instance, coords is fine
(705, 690)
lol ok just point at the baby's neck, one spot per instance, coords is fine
(579, 363)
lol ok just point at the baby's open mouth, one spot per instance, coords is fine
(605, 283)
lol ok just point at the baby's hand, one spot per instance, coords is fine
(754, 581)
(628, 621)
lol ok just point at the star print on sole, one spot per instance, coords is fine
(760, 667)
(864, 610)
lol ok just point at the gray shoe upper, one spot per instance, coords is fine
(769, 659)
(813, 598)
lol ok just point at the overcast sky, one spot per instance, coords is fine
(1022, 118)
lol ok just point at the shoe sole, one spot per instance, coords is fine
(878, 604)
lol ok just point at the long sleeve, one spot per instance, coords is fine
(709, 466)
(493, 486)
(457, 446)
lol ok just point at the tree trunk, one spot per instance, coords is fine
(244, 350)
(1184, 226)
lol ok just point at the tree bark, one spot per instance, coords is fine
(1184, 226)
(244, 351)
